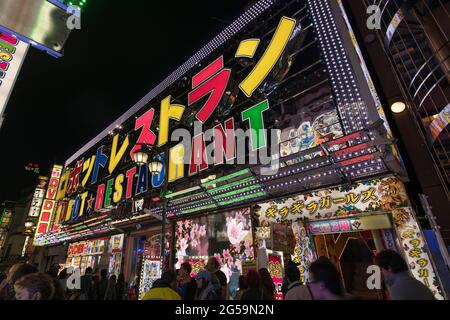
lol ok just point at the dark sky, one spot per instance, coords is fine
(123, 50)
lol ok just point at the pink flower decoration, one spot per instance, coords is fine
(235, 232)
(183, 247)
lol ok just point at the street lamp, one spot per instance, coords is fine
(155, 167)
(140, 156)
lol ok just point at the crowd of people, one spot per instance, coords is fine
(24, 282)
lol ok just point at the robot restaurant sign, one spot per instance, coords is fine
(210, 91)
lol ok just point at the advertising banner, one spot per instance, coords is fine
(378, 195)
(12, 54)
(276, 267)
(414, 245)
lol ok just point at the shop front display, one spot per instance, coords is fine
(102, 253)
(227, 236)
(115, 250)
(151, 271)
(348, 224)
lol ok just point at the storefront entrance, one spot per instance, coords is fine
(352, 253)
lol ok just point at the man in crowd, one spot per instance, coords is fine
(213, 266)
(402, 286)
(164, 288)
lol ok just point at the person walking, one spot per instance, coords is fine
(208, 286)
(34, 286)
(102, 285)
(402, 286)
(242, 287)
(121, 287)
(325, 282)
(62, 279)
(255, 290)
(110, 293)
(164, 288)
(16, 272)
(267, 282)
(295, 289)
(187, 285)
(213, 266)
(87, 284)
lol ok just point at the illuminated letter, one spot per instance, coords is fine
(142, 184)
(108, 192)
(146, 136)
(158, 179)
(176, 165)
(168, 111)
(117, 156)
(88, 165)
(130, 174)
(99, 197)
(255, 117)
(270, 56)
(198, 156)
(100, 161)
(83, 201)
(119, 189)
(221, 139)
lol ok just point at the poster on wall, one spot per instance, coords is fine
(276, 267)
(414, 245)
(226, 236)
(304, 253)
(12, 55)
(377, 195)
(151, 271)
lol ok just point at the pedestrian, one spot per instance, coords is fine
(34, 286)
(255, 290)
(213, 266)
(402, 286)
(121, 286)
(267, 282)
(296, 290)
(17, 271)
(87, 284)
(62, 279)
(187, 285)
(102, 285)
(325, 282)
(164, 288)
(110, 293)
(242, 287)
(208, 286)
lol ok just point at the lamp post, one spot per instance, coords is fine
(140, 157)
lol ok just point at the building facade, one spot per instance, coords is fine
(270, 144)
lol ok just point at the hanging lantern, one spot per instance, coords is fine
(140, 156)
(155, 167)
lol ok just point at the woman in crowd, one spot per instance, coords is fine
(35, 286)
(14, 273)
(187, 285)
(267, 283)
(255, 290)
(242, 287)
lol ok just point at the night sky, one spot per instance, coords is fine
(123, 50)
